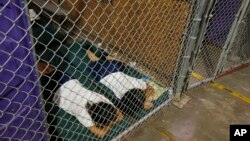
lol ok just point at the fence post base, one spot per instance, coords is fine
(181, 101)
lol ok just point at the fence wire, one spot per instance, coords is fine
(221, 18)
(96, 69)
(240, 51)
(102, 66)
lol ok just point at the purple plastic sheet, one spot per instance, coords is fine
(21, 112)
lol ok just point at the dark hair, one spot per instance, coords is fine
(102, 113)
(132, 102)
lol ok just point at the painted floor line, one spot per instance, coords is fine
(222, 87)
(165, 134)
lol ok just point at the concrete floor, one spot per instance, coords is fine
(205, 118)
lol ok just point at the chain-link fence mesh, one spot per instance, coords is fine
(221, 18)
(103, 65)
(127, 29)
(21, 112)
(239, 53)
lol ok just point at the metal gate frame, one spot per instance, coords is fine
(199, 25)
(232, 37)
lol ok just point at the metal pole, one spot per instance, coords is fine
(231, 37)
(185, 34)
(207, 16)
(192, 46)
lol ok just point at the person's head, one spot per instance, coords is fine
(137, 99)
(103, 114)
(132, 102)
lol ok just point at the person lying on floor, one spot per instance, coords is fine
(135, 94)
(91, 61)
(101, 67)
(92, 110)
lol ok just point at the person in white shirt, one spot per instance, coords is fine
(91, 109)
(135, 94)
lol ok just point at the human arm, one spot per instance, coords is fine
(96, 57)
(100, 132)
(149, 96)
(95, 51)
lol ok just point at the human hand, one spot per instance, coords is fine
(92, 56)
(119, 116)
(148, 105)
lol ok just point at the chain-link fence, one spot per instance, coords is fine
(96, 69)
(239, 51)
(220, 19)
(103, 66)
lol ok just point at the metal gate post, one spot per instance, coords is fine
(207, 16)
(191, 49)
(197, 32)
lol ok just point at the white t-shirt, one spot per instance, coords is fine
(73, 97)
(121, 83)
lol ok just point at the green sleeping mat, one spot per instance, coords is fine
(69, 128)
(72, 60)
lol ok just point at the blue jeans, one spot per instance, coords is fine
(100, 69)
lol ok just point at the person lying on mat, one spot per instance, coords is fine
(130, 90)
(99, 66)
(135, 94)
(92, 110)
(83, 55)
